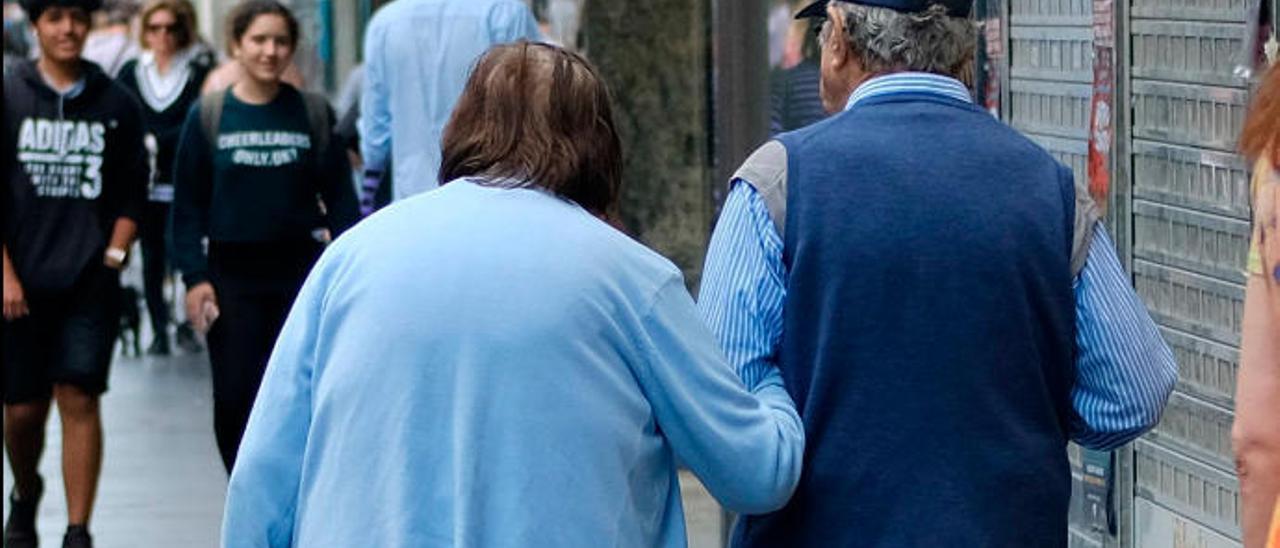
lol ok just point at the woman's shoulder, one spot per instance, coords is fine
(128, 75)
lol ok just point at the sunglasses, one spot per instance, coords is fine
(171, 29)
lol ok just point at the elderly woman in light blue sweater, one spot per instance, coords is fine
(493, 364)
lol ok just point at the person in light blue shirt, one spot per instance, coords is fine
(417, 57)
(493, 364)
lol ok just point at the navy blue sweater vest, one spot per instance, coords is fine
(929, 331)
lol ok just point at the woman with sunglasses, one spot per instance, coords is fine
(166, 79)
(257, 175)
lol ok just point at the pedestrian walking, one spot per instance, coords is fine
(794, 98)
(166, 80)
(543, 375)
(418, 54)
(74, 182)
(250, 164)
(17, 46)
(1256, 433)
(944, 307)
(110, 43)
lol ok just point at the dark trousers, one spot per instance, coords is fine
(255, 291)
(155, 265)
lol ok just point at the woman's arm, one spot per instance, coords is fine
(338, 189)
(192, 188)
(1256, 433)
(745, 443)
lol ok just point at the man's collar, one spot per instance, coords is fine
(910, 82)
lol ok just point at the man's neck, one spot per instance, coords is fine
(62, 75)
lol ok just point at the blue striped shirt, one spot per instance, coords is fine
(1125, 370)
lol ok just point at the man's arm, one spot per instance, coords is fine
(132, 179)
(744, 284)
(122, 236)
(1124, 370)
(15, 299)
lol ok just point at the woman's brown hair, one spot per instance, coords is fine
(184, 14)
(246, 12)
(1261, 135)
(534, 114)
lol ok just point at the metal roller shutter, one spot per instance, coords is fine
(1190, 220)
(1180, 210)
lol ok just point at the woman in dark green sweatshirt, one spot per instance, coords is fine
(256, 175)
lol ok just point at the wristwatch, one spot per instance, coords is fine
(116, 255)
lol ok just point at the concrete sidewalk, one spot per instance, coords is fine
(162, 482)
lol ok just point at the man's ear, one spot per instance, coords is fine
(835, 41)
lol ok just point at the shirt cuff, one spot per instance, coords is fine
(192, 279)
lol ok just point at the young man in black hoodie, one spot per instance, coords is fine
(74, 176)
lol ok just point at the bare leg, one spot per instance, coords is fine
(81, 450)
(24, 425)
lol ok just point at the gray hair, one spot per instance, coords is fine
(890, 41)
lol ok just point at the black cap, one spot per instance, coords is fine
(36, 7)
(955, 8)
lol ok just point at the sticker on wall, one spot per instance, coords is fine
(1101, 120)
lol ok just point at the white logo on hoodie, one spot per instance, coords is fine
(63, 158)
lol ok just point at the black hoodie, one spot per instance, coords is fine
(72, 167)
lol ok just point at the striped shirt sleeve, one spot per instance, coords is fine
(743, 286)
(1124, 369)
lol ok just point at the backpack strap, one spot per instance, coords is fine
(766, 171)
(320, 121)
(211, 117)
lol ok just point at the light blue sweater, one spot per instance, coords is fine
(479, 366)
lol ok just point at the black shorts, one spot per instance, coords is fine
(68, 338)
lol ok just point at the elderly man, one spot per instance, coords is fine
(418, 54)
(945, 310)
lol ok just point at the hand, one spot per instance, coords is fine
(368, 192)
(196, 298)
(15, 301)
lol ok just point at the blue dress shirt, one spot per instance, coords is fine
(418, 56)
